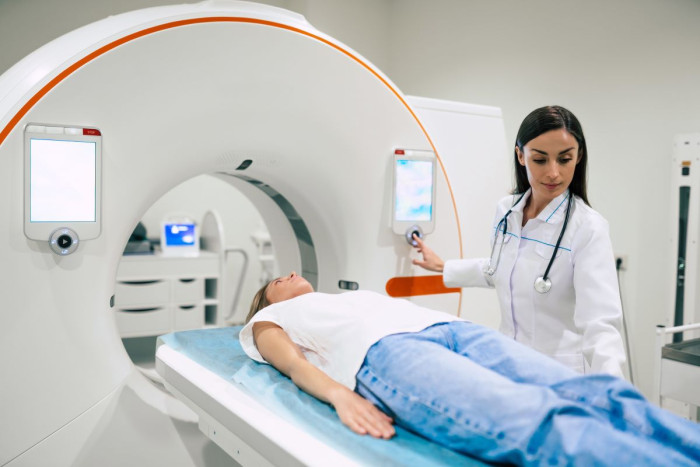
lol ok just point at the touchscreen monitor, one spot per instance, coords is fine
(179, 238)
(62, 180)
(414, 190)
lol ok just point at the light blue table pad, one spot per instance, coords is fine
(219, 350)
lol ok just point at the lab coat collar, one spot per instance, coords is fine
(555, 211)
(521, 204)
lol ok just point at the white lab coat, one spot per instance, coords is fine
(577, 322)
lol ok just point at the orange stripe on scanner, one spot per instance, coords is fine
(410, 286)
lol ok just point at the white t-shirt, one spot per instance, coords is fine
(335, 331)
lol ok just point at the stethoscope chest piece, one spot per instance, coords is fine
(543, 285)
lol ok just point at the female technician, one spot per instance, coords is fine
(551, 261)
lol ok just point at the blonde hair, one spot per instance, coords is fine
(260, 301)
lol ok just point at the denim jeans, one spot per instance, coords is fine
(475, 391)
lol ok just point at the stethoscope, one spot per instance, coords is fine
(542, 284)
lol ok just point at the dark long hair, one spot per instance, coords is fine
(542, 120)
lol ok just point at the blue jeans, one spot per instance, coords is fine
(475, 391)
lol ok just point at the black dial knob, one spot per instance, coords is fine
(64, 241)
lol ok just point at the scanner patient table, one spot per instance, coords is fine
(260, 417)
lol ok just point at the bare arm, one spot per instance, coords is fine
(360, 415)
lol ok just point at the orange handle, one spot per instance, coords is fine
(410, 286)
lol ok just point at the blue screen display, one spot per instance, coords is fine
(414, 190)
(179, 234)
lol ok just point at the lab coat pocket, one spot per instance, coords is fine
(545, 251)
(560, 273)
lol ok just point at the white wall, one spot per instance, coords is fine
(362, 25)
(629, 69)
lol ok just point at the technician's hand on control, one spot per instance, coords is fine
(430, 261)
(361, 416)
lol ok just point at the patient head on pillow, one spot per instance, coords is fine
(278, 290)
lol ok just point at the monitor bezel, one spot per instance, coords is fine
(41, 230)
(400, 227)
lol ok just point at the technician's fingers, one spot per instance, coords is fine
(430, 260)
(421, 248)
(419, 242)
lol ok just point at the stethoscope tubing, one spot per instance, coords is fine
(561, 235)
(542, 284)
(503, 222)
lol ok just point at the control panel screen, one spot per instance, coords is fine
(180, 235)
(413, 195)
(62, 180)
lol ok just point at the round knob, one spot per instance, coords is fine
(63, 241)
(411, 231)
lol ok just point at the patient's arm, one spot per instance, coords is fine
(360, 415)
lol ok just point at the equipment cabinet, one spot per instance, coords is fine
(156, 294)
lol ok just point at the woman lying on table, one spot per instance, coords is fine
(379, 360)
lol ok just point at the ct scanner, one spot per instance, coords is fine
(176, 92)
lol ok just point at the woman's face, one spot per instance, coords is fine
(286, 287)
(550, 161)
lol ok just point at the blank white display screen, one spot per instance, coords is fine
(414, 190)
(62, 180)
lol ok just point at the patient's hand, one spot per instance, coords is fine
(430, 261)
(354, 410)
(360, 415)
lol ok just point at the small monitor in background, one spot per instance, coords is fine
(179, 237)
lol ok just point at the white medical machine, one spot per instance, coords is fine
(297, 122)
(685, 218)
(677, 363)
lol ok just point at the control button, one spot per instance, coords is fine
(685, 171)
(63, 241)
(411, 231)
